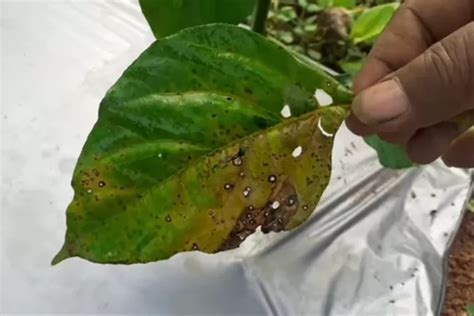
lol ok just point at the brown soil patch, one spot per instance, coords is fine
(460, 291)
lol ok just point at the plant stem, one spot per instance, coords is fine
(260, 16)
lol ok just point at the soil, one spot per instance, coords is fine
(460, 291)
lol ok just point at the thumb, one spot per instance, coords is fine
(434, 87)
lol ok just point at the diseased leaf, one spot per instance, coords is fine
(372, 22)
(191, 150)
(167, 17)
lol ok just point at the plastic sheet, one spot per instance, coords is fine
(376, 244)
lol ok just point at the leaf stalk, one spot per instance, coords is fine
(260, 16)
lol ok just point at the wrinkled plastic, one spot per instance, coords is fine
(376, 244)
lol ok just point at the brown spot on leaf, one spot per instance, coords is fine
(271, 217)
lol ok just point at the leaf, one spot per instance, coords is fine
(285, 37)
(309, 7)
(390, 155)
(351, 67)
(310, 28)
(303, 3)
(349, 4)
(470, 310)
(167, 17)
(313, 8)
(372, 22)
(325, 3)
(286, 14)
(190, 150)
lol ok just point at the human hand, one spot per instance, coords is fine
(418, 81)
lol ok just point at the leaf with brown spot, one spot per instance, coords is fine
(183, 157)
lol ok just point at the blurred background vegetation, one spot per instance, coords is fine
(335, 33)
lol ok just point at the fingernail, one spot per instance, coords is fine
(381, 103)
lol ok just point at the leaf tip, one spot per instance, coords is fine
(62, 255)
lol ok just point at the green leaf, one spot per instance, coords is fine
(285, 37)
(170, 16)
(309, 7)
(298, 30)
(286, 14)
(325, 3)
(313, 8)
(190, 150)
(351, 67)
(470, 310)
(310, 28)
(371, 22)
(390, 155)
(303, 3)
(349, 4)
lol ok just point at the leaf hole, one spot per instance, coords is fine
(323, 98)
(322, 130)
(297, 152)
(286, 111)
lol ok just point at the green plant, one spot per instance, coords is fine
(335, 33)
(470, 310)
(213, 131)
(371, 22)
(167, 17)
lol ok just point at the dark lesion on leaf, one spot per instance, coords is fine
(274, 216)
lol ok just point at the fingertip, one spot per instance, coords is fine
(381, 105)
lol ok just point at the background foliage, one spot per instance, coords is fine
(336, 33)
